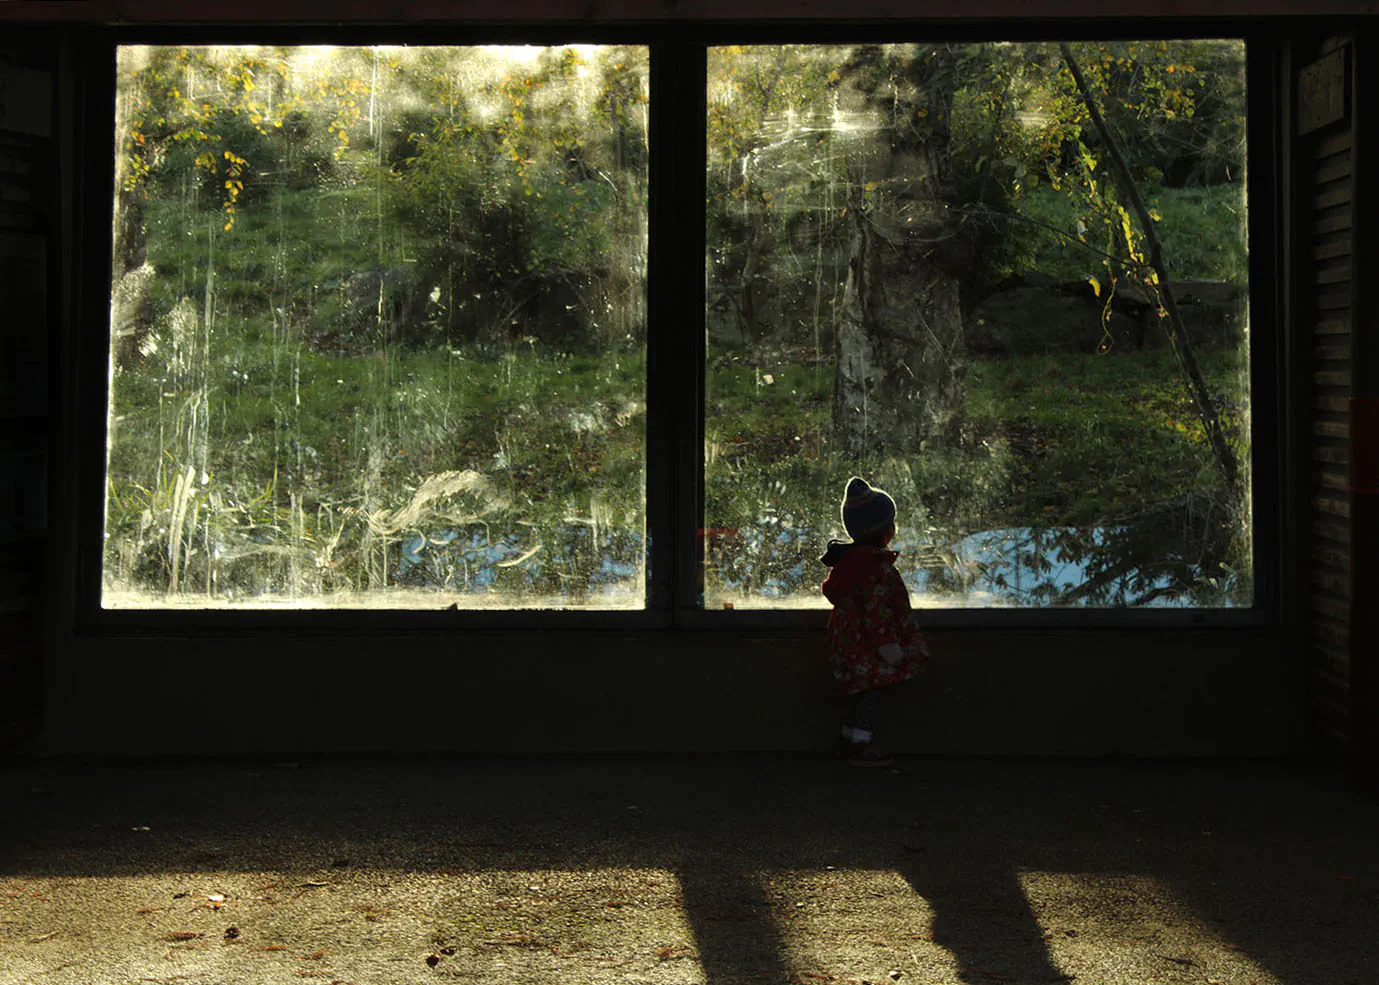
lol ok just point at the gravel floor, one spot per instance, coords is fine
(677, 871)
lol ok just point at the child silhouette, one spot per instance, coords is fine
(872, 644)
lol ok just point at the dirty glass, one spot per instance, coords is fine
(926, 269)
(378, 328)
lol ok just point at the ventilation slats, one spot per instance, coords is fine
(1334, 632)
(1331, 247)
(1332, 580)
(1326, 249)
(1336, 142)
(1334, 168)
(1333, 274)
(1332, 299)
(1335, 220)
(1332, 505)
(1337, 480)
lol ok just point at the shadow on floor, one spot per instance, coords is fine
(1177, 867)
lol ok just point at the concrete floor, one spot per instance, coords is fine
(680, 870)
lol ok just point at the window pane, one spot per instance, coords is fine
(924, 269)
(378, 324)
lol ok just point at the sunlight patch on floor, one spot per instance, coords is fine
(853, 925)
(349, 925)
(1133, 926)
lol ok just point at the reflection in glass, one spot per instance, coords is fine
(923, 269)
(377, 328)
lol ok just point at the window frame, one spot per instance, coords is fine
(675, 332)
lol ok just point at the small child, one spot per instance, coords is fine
(872, 643)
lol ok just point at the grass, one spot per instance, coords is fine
(272, 451)
(1080, 440)
(1202, 231)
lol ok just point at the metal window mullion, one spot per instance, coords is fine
(1264, 141)
(676, 334)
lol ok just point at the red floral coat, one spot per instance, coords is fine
(871, 607)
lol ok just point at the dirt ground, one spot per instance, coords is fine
(677, 871)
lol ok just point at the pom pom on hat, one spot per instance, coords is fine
(866, 511)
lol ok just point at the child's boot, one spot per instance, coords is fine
(858, 748)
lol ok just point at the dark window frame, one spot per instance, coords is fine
(675, 337)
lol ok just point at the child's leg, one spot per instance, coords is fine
(862, 716)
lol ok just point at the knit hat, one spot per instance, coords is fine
(866, 511)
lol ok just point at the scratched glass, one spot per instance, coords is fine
(926, 268)
(378, 323)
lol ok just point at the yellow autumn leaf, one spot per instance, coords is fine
(1096, 285)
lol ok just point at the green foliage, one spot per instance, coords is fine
(1201, 230)
(353, 294)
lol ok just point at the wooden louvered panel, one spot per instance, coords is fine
(1332, 530)
(1331, 658)
(1328, 427)
(1331, 456)
(1330, 403)
(1327, 679)
(1334, 168)
(1330, 556)
(1332, 377)
(1332, 505)
(1323, 715)
(1330, 701)
(1332, 144)
(1335, 325)
(1330, 605)
(1333, 347)
(1330, 479)
(1331, 299)
(1332, 221)
(1330, 723)
(1325, 428)
(1337, 245)
(1333, 580)
(1337, 193)
(1332, 631)
(1335, 273)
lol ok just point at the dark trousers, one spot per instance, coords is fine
(865, 708)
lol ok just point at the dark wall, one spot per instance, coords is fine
(1088, 693)
(1010, 691)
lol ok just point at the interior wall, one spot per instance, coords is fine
(1029, 693)
(1080, 692)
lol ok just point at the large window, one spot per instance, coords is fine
(925, 268)
(378, 327)
(382, 334)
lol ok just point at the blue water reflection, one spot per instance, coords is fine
(779, 565)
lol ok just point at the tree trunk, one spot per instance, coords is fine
(899, 344)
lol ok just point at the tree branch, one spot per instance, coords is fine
(1177, 336)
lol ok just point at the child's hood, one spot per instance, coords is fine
(852, 568)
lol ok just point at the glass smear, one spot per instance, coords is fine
(922, 269)
(378, 328)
